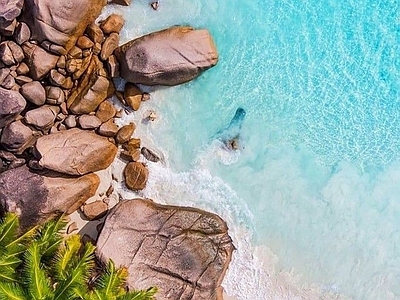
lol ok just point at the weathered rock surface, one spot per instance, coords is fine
(75, 152)
(11, 105)
(149, 155)
(9, 10)
(125, 133)
(43, 117)
(94, 210)
(16, 137)
(38, 196)
(182, 251)
(34, 92)
(108, 128)
(89, 122)
(168, 57)
(136, 175)
(132, 95)
(39, 61)
(93, 88)
(60, 22)
(113, 23)
(105, 111)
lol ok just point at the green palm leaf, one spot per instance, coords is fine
(11, 291)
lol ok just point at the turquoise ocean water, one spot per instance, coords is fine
(313, 197)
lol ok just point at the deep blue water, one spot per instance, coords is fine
(317, 182)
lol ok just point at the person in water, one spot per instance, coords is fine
(230, 136)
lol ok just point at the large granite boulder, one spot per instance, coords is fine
(182, 251)
(74, 152)
(60, 22)
(167, 57)
(38, 196)
(11, 105)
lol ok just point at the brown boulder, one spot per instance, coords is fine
(113, 23)
(105, 111)
(149, 155)
(22, 33)
(93, 88)
(167, 57)
(89, 122)
(125, 133)
(42, 117)
(108, 128)
(95, 33)
(34, 92)
(55, 95)
(132, 95)
(82, 152)
(38, 196)
(131, 150)
(94, 210)
(11, 53)
(16, 137)
(84, 42)
(121, 2)
(60, 22)
(109, 45)
(11, 105)
(136, 175)
(183, 251)
(39, 61)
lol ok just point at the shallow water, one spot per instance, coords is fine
(312, 198)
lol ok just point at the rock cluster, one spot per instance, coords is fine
(57, 119)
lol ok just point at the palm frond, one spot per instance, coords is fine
(139, 295)
(11, 291)
(67, 252)
(78, 275)
(49, 237)
(36, 281)
(112, 281)
(8, 229)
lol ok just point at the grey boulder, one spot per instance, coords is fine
(167, 57)
(38, 196)
(11, 105)
(182, 251)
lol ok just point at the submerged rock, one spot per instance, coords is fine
(182, 251)
(167, 57)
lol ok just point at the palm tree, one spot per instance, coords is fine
(41, 264)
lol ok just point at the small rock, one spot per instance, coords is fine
(89, 122)
(17, 163)
(112, 66)
(96, 48)
(73, 65)
(8, 156)
(8, 82)
(8, 30)
(22, 33)
(109, 45)
(34, 92)
(70, 121)
(131, 155)
(21, 80)
(53, 48)
(94, 210)
(84, 42)
(113, 23)
(108, 129)
(149, 155)
(22, 69)
(16, 137)
(57, 79)
(62, 62)
(109, 191)
(95, 33)
(125, 133)
(132, 144)
(6, 54)
(72, 227)
(154, 5)
(43, 117)
(133, 95)
(121, 2)
(39, 61)
(136, 175)
(11, 105)
(4, 72)
(54, 95)
(145, 97)
(75, 52)
(105, 111)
